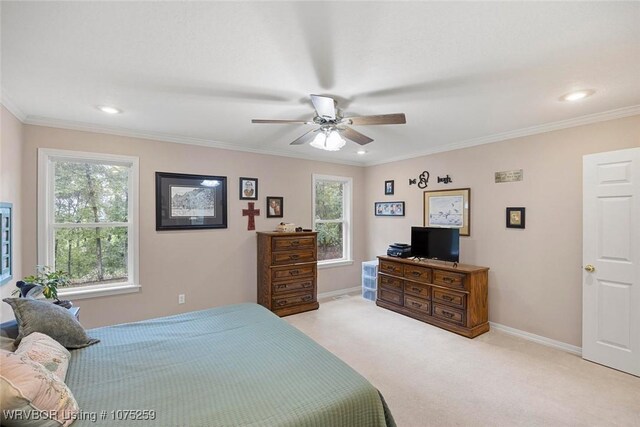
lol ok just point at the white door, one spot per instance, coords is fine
(611, 259)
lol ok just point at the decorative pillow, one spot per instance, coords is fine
(47, 352)
(6, 343)
(31, 395)
(42, 316)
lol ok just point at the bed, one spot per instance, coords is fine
(237, 365)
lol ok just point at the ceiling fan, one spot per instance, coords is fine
(333, 126)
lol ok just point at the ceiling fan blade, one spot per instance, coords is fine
(325, 106)
(382, 119)
(306, 122)
(355, 136)
(306, 137)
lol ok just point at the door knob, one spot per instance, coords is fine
(589, 268)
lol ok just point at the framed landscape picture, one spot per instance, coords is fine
(448, 209)
(389, 208)
(388, 188)
(248, 188)
(186, 202)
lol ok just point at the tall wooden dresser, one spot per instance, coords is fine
(287, 271)
(453, 298)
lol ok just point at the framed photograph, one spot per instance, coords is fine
(448, 209)
(389, 208)
(275, 207)
(515, 217)
(185, 202)
(388, 188)
(248, 188)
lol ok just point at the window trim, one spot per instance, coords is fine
(347, 217)
(46, 214)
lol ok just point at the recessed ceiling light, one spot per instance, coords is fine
(109, 110)
(577, 95)
(361, 152)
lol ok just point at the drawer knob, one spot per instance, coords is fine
(416, 304)
(281, 286)
(295, 242)
(294, 256)
(414, 289)
(294, 272)
(447, 314)
(447, 298)
(307, 284)
(306, 298)
(282, 302)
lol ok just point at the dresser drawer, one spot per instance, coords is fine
(418, 290)
(293, 272)
(417, 304)
(448, 278)
(290, 243)
(281, 302)
(451, 298)
(288, 287)
(449, 314)
(292, 257)
(390, 296)
(394, 268)
(390, 282)
(420, 274)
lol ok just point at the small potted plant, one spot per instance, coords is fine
(48, 280)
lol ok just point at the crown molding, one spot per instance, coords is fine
(11, 106)
(163, 137)
(519, 133)
(158, 136)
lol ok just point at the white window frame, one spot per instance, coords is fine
(46, 215)
(347, 218)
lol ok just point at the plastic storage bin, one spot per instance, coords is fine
(369, 279)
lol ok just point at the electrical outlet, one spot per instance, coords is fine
(181, 299)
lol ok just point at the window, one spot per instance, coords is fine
(6, 242)
(88, 220)
(332, 218)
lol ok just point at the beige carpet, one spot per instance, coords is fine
(430, 377)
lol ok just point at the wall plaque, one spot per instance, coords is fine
(509, 176)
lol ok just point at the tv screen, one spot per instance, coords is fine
(435, 243)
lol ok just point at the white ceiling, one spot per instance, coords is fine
(464, 73)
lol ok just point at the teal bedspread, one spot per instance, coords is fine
(238, 365)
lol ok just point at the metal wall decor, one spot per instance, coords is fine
(423, 180)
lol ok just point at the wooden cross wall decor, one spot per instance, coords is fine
(252, 214)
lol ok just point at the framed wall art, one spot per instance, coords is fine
(388, 188)
(248, 188)
(275, 207)
(389, 208)
(185, 202)
(448, 209)
(515, 217)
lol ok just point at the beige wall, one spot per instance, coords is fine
(212, 267)
(535, 276)
(11, 133)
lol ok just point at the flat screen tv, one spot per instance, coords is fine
(435, 243)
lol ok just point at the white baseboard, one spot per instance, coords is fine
(537, 338)
(339, 292)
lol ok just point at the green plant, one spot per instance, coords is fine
(49, 279)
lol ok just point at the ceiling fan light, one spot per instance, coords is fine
(319, 141)
(334, 141)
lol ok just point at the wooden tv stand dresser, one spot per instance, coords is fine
(453, 298)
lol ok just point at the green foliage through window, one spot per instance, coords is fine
(329, 219)
(94, 196)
